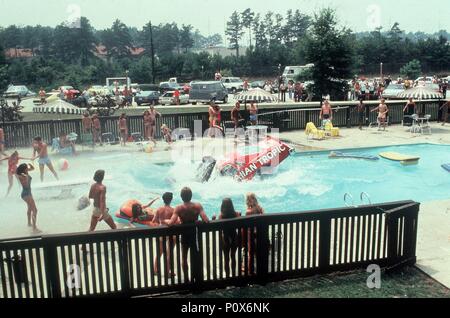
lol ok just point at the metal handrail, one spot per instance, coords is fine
(351, 197)
(365, 194)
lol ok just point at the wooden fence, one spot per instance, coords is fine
(20, 134)
(264, 248)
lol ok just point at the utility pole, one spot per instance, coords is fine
(152, 49)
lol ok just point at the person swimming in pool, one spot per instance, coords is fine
(41, 149)
(25, 181)
(13, 162)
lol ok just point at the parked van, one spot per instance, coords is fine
(204, 92)
(292, 72)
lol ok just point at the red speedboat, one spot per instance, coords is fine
(246, 162)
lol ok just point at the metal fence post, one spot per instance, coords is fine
(51, 269)
(196, 260)
(124, 266)
(392, 230)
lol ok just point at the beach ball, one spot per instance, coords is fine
(63, 164)
(148, 149)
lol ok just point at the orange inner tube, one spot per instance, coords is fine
(126, 209)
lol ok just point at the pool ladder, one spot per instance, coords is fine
(361, 196)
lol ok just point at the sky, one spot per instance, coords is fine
(210, 16)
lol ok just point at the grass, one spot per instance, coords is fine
(408, 282)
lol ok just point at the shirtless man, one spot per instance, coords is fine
(187, 213)
(326, 112)
(96, 126)
(40, 148)
(253, 113)
(162, 217)
(382, 113)
(213, 112)
(86, 122)
(64, 142)
(236, 116)
(98, 194)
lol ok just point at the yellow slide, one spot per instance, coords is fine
(404, 159)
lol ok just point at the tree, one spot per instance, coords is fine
(412, 70)
(330, 50)
(117, 40)
(234, 32)
(186, 41)
(247, 21)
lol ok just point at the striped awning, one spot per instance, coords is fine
(419, 93)
(58, 107)
(256, 95)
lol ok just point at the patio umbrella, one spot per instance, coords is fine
(58, 107)
(420, 93)
(256, 95)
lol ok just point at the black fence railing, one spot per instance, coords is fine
(20, 134)
(264, 248)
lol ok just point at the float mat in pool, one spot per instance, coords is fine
(337, 154)
(446, 166)
(404, 159)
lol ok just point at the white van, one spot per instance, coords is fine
(292, 72)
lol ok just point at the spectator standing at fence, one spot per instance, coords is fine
(153, 115)
(283, 90)
(444, 109)
(357, 89)
(127, 94)
(98, 194)
(162, 217)
(187, 213)
(43, 96)
(253, 113)
(40, 150)
(229, 239)
(290, 89)
(361, 109)
(236, 117)
(245, 86)
(97, 129)
(253, 208)
(86, 123)
(326, 112)
(25, 181)
(444, 89)
(123, 129)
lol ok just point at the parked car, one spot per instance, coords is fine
(15, 91)
(147, 97)
(233, 84)
(258, 84)
(167, 87)
(168, 98)
(98, 90)
(204, 92)
(433, 87)
(393, 90)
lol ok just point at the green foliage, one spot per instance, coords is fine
(412, 70)
(234, 31)
(330, 50)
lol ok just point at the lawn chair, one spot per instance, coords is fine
(312, 132)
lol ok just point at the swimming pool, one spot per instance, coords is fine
(305, 181)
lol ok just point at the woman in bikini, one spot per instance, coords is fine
(13, 162)
(25, 181)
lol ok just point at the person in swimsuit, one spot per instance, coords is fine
(253, 208)
(13, 162)
(253, 114)
(40, 148)
(139, 214)
(66, 143)
(123, 129)
(382, 113)
(162, 217)
(187, 213)
(153, 115)
(25, 180)
(229, 236)
(86, 122)
(214, 113)
(147, 124)
(326, 112)
(361, 109)
(167, 133)
(408, 111)
(236, 116)
(98, 194)
(96, 126)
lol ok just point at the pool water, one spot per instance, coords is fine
(304, 181)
